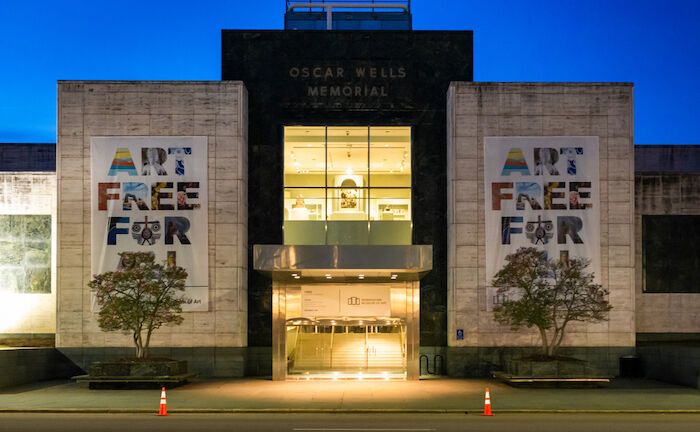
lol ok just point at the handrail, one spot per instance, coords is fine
(351, 4)
(332, 334)
(339, 5)
(330, 6)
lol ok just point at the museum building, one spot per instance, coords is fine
(341, 200)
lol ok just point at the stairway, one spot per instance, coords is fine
(383, 352)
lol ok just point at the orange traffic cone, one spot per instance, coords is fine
(163, 411)
(487, 404)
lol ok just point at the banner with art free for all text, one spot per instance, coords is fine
(149, 194)
(541, 192)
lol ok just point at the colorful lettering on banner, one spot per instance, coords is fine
(156, 202)
(543, 193)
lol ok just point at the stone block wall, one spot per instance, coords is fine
(217, 110)
(28, 365)
(29, 193)
(665, 193)
(478, 110)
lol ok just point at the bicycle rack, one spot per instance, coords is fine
(435, 370)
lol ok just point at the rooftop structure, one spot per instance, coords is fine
(348, 15)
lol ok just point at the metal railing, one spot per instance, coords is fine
(438, 366)
(319, 5)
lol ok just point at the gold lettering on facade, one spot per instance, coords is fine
(365, 88)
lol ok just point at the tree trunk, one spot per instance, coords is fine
(148, 342)
(139, 345)
(558, 337)
(545, 345)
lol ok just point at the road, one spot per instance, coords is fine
(350, 422)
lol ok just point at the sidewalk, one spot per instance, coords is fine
(437, 395)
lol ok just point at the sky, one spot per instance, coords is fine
(654, 44)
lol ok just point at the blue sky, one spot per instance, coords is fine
(655, 44)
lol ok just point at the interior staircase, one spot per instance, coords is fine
(371, 352)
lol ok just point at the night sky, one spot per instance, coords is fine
(654, 44)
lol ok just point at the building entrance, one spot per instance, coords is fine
(345, 312)
(346, 348)
(347, 330)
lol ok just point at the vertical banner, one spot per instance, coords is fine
(149, 194)
(541, 192)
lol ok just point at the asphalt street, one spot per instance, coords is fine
(350, 422)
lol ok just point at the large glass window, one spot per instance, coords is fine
(25, 253)
(347, 185)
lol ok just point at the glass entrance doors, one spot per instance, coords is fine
(368, 349)
(362, 331)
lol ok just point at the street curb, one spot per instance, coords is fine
(332, 411)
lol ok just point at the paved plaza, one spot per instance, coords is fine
(436, 395)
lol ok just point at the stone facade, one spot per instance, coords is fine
(478, 110)
(29, 193)
(217, 110)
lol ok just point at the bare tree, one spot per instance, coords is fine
(551, 295)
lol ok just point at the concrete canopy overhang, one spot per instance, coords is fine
(336, 263)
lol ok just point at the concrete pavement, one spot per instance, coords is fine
(430, 396)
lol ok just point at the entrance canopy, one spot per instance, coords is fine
(335, 263)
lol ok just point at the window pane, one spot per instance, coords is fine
(348, 203)
(390, 204)
(304, 156)
(347, 156)
(390, 157)
(304, 204)
(25, 253)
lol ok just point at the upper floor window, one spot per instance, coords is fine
(347, 185)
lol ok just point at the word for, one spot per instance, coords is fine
(148, 232)
(541, 231)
